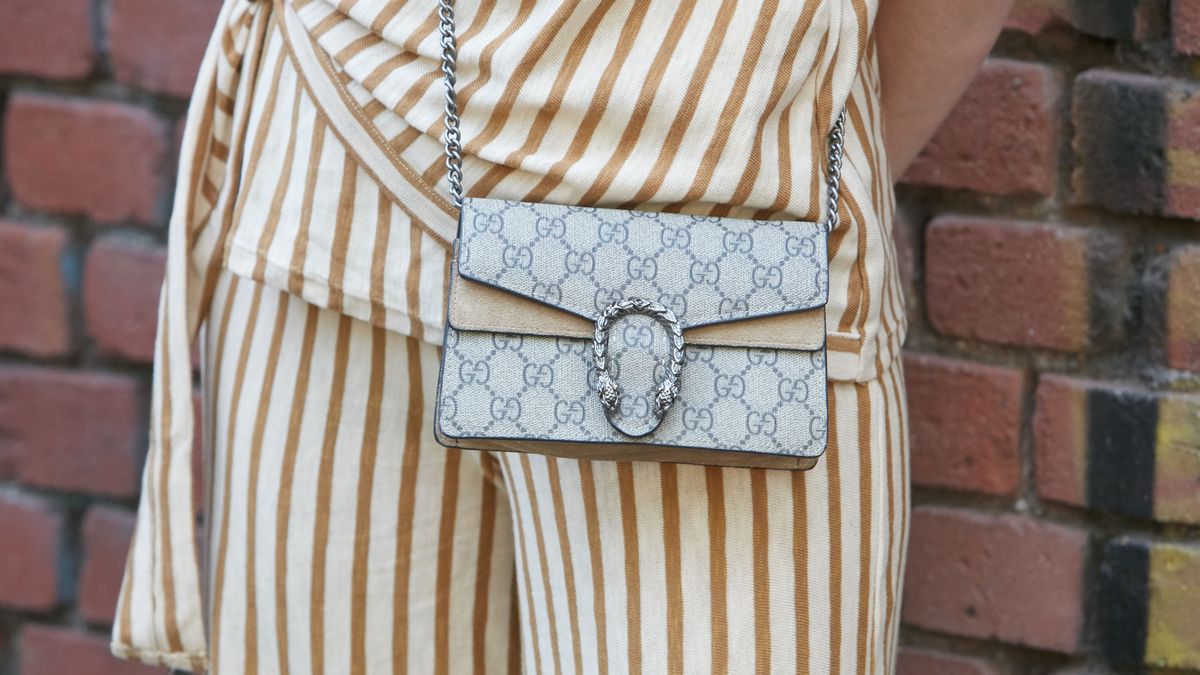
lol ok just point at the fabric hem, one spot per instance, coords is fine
(189, 661)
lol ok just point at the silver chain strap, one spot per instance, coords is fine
(453, 134)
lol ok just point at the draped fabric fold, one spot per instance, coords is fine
(160, 615)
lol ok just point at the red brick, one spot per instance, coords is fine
(966, 422)
(1007, 577)
(1000, 138)
(100, 159)
(107, 532)
(46, 38)
(1026, 284)
(1185, 26)
(157, 45)
(1136, 141)
(1113, 19)
(1118, 448)
(1060, 440)
(34, 306)
(121, 285)
(1183, 310)
(914, 661)
(71, 430)
(47, 650)
(32, 535)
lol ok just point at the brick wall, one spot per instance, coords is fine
(1052, 249)
(1052, 260)
(91, 97)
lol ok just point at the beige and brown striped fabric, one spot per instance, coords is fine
(311, 165)
(345, 540)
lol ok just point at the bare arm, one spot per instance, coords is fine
(928, 52)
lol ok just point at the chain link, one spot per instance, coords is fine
(453, 134)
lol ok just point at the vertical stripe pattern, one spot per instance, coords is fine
(621, 566)
(310, 241)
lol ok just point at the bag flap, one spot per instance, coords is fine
(549, 270)
(578, 260)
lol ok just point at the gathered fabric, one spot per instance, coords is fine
(312, 164)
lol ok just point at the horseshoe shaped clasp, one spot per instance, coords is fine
(607, 388)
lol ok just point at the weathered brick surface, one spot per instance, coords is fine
(107, 532)
(1136, 143)
(1118, 448)
(157, 44)
(46, 38)
(78, 156)
(34, 304)
(1183, 310)
(73, 431)
(32, 532)
(965, 424)
(1000, 139)
(1113, 19)
(49, 650)
(1008, 577)
(1018, 283)
(122, 281)
(914, 661)
(1185, 26)
(1147, 593)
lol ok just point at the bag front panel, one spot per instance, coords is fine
(528, 387)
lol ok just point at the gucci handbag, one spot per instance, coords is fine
(613, 334)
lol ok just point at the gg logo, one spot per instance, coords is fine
(613, 232)
(796, 245)
(768, 276)
(570, 346)
(547, 292)
(675, 237)
(504, 342)
(762, 356)
(705, 273)
(676, 303)
(517, 257)
(539, 375)
(697, 419)
(641, 268)
(699, 353)
(637, 336)
(488, 222)
(730, 306)
(729, 385)
(568, 412)
(792, 390)
(474, 372)
(580, 262)
(760, 423)
(738, 242)
(603, 298)
(550, 227)
(506, 409)
(635, 406)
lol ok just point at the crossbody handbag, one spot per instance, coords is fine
(616, 334)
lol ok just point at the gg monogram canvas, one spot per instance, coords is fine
(529, 281)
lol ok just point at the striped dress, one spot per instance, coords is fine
(308, 263)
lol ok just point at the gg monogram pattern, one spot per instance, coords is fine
(705, 269)
(496, 385)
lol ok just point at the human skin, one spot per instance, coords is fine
(928, 52)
